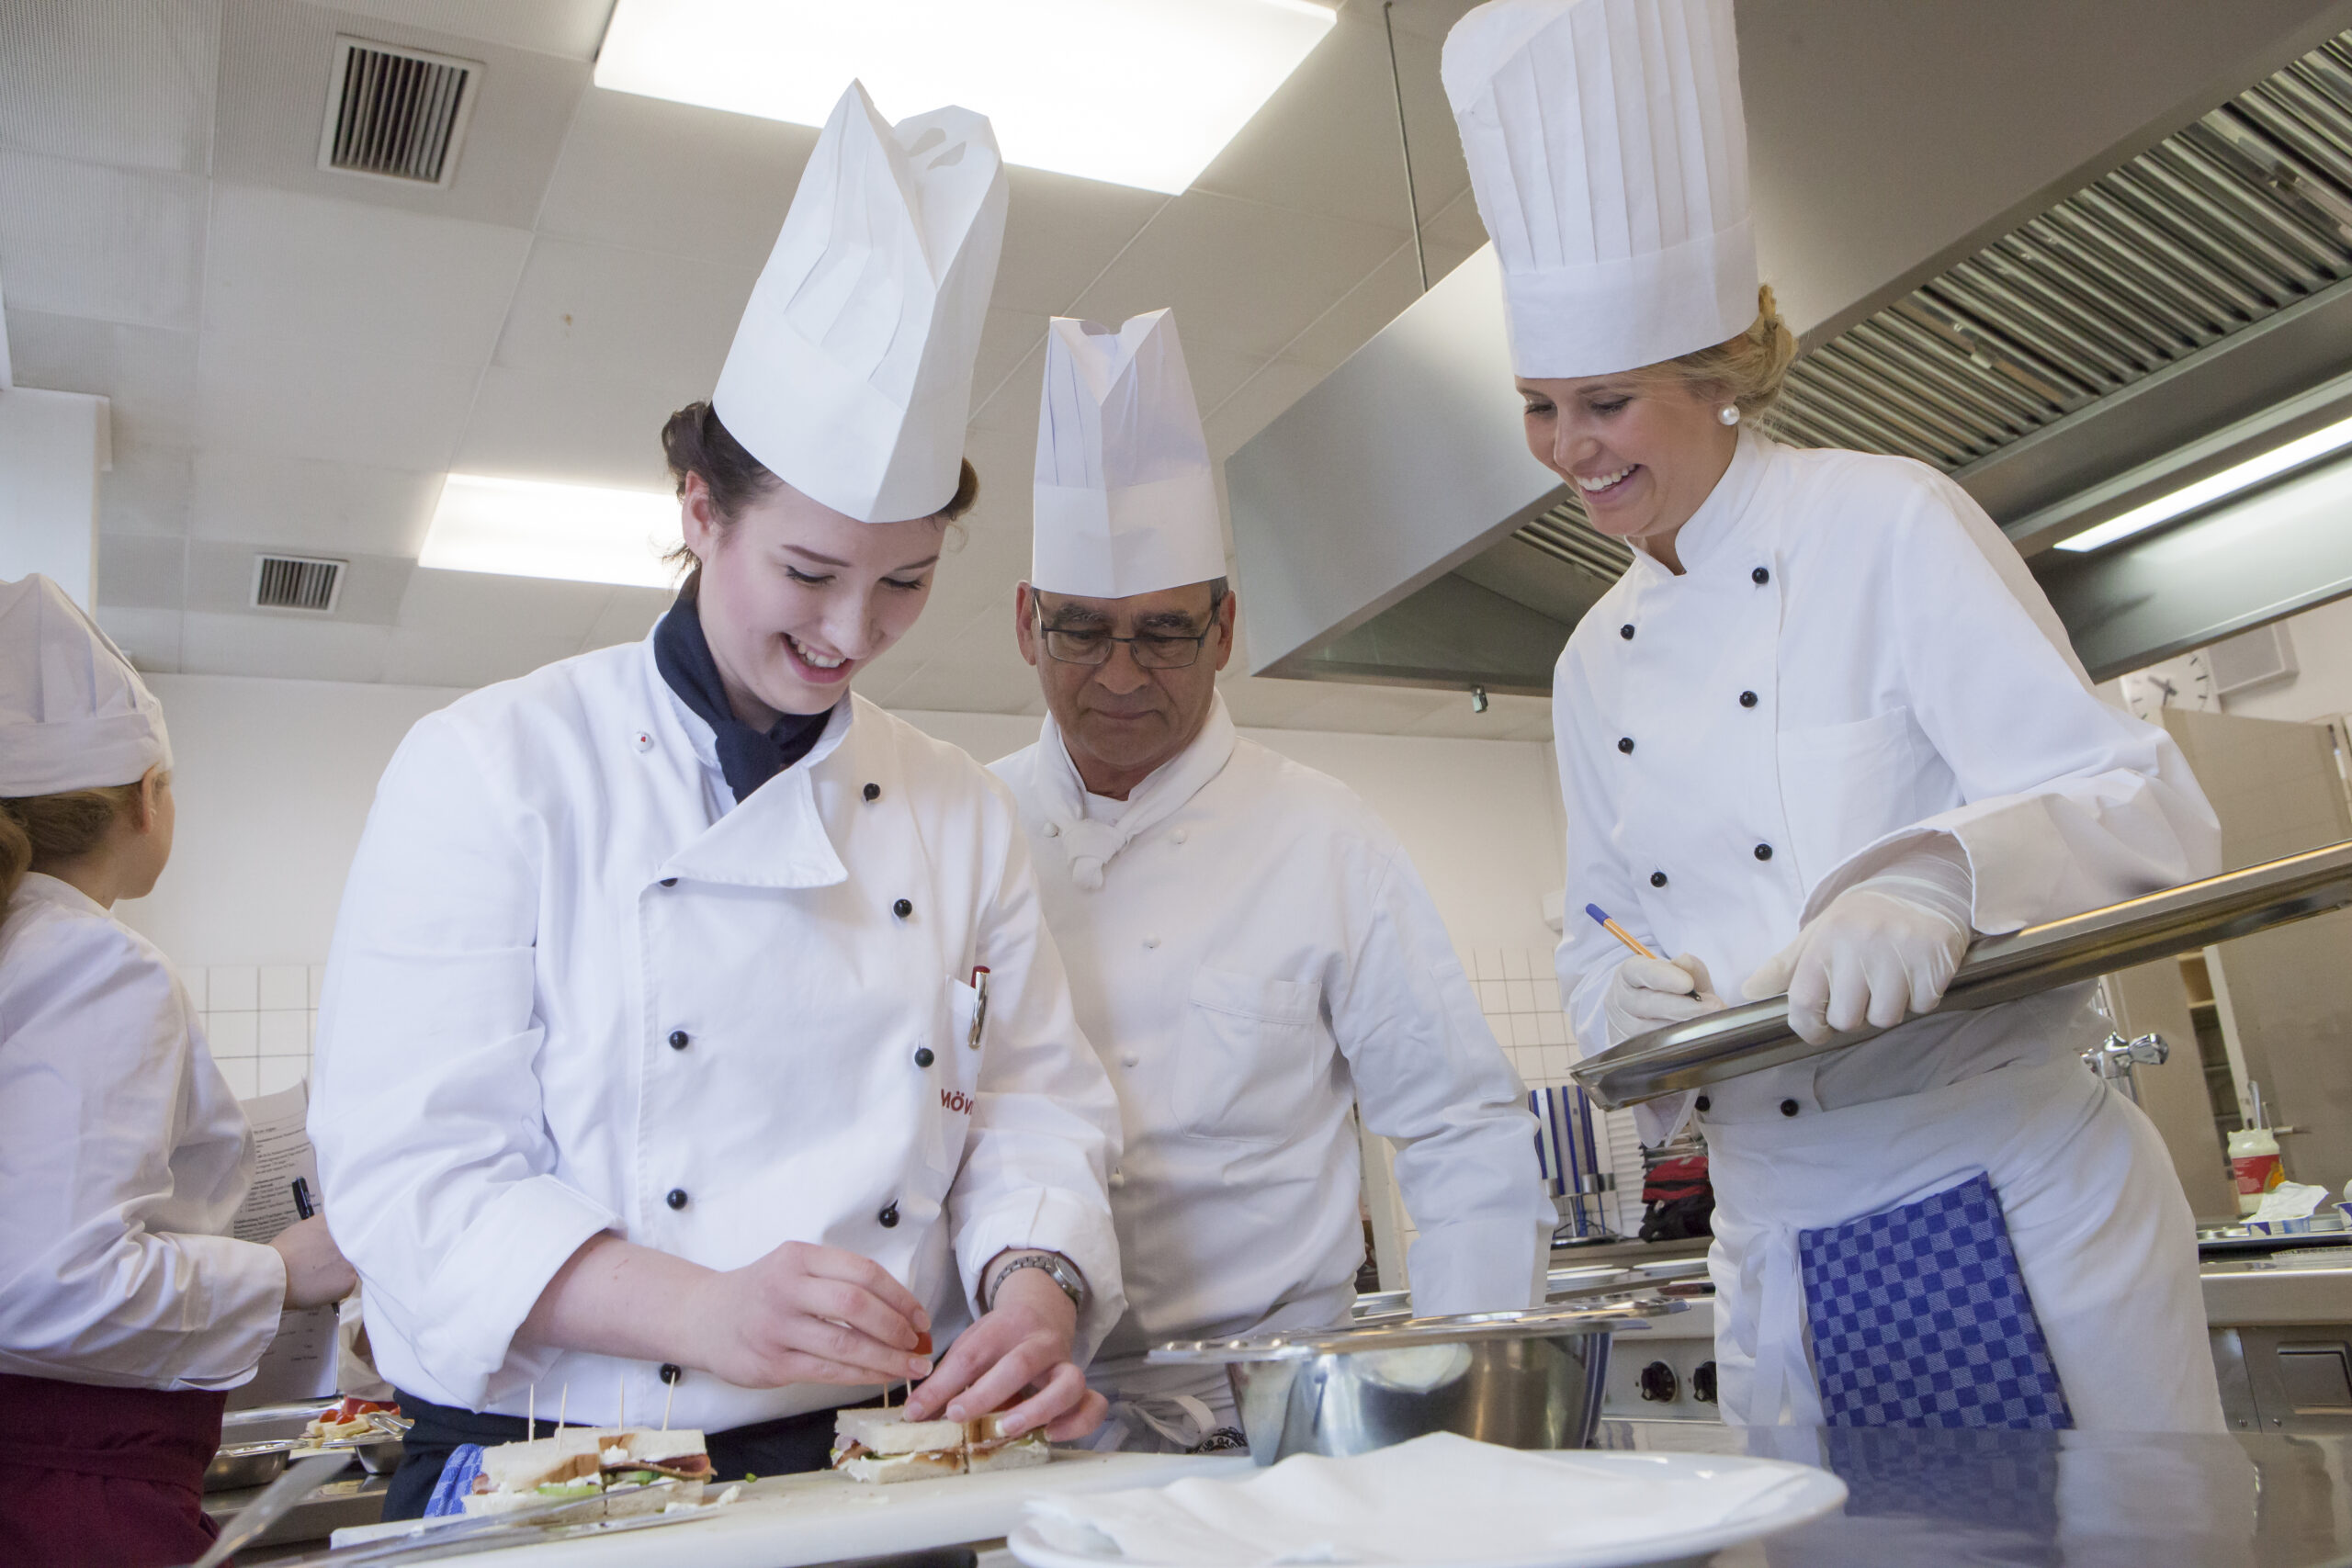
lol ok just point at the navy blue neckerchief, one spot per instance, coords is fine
(747, 757)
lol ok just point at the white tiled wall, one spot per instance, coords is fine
(260, 1019)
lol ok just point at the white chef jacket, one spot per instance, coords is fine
(1855, 659)
(1260, 960)
(576, 988)
(123, 1158)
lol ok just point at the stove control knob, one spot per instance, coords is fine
(1702, 1383)
(1658, 1384)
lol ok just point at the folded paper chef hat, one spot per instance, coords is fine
(74, 713)
(850, 375)
(1609, 156)
(1126, 502)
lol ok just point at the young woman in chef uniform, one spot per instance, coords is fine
(1823, 730)
(126, 1308)
(653, 1074)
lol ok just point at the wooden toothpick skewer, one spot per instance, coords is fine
(531, 1414)
(667, 1400)
(620, 1396)
(561, 1405)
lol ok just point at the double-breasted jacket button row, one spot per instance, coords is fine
(1787, 1107)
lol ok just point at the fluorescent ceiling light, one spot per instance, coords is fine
(525, 528)
(2295, 455)
(1136, 92)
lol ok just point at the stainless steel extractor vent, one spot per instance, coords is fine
(2230, 220)
(1565, 535)
(396, 113)
(296, 583)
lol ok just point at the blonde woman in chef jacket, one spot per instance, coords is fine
(1824, 730)
(127, 1310)
(651, 1070)
(1251, 950)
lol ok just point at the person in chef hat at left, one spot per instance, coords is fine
(127, 1309)
(1251, 950)
(1825, 732)
(692, 1048)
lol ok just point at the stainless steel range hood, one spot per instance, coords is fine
(2186, 307)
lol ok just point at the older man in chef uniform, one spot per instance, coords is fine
(1250, 949)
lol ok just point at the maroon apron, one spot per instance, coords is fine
(97, 1477)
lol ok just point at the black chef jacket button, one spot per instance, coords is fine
(671, 1372)
(1658, 879)
(669, 882)
(888, 1216)
(1626, 631)
(1760, 576)
(1788, 1108)
(680, 1040)
(873, 792)
(677, 1197)
(1747, 699)
(902, 909)
(1763, 851)
(1625, 744)
(1704, 1103)
(922, 1056)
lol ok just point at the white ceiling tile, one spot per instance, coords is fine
(275, 60)
(305, 504)
(146, 490)
(686, 181)
(121, 81)
(466, 602)
(571, 28)
(1010, 406)
(1372, 304)
(1009, 344)
(1240, 275)
(147, 373)
(151, 638)
(120, 244)
(356, 279)
(141, 573)
(604, 313)
(627, 616)
(1060, 233)
(1253, 406)
(574, 430)
(1327, 142)
(258, 644)
(221, 581)
(296, 401)
(485, 654)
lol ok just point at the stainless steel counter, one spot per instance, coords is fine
(1944, 1499)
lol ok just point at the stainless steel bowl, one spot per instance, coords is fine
(246, 1464)
(1522, 1379)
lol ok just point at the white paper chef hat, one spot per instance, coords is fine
(1126, 502)
(1608, 156)
(850, 375)
(74, 713)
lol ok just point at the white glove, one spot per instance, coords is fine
(1650, 993)
(1883, 949)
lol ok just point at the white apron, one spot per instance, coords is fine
(2104, 1240)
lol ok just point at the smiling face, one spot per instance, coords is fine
(1642, 449)
(1120, 720)
(796, 598)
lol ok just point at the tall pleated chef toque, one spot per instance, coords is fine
(74, 713)
(850, 375)
(1609, 156)
(1125, 499)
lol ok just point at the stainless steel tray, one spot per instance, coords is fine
(1749, 1039)
(1404, 1333)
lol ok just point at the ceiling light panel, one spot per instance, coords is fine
(580, 533)
(1135, 92)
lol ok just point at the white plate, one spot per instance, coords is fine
(1812, 1493)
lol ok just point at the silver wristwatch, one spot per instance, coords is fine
(1059, 1269)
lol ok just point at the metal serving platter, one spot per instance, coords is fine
(1743, 1040)
(1475, 1327)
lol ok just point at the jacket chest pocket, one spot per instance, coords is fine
(952, 1080)
(1846, 785)
(1253, 1051)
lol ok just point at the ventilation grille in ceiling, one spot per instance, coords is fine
(293, 583)
(1565, 534)
(2206, 233)
(397, 113)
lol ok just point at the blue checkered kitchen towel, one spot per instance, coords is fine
(458, 1474)
(1919, 1318)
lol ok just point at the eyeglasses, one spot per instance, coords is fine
(1151, 650)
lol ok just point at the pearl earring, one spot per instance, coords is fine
(1728, 414)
